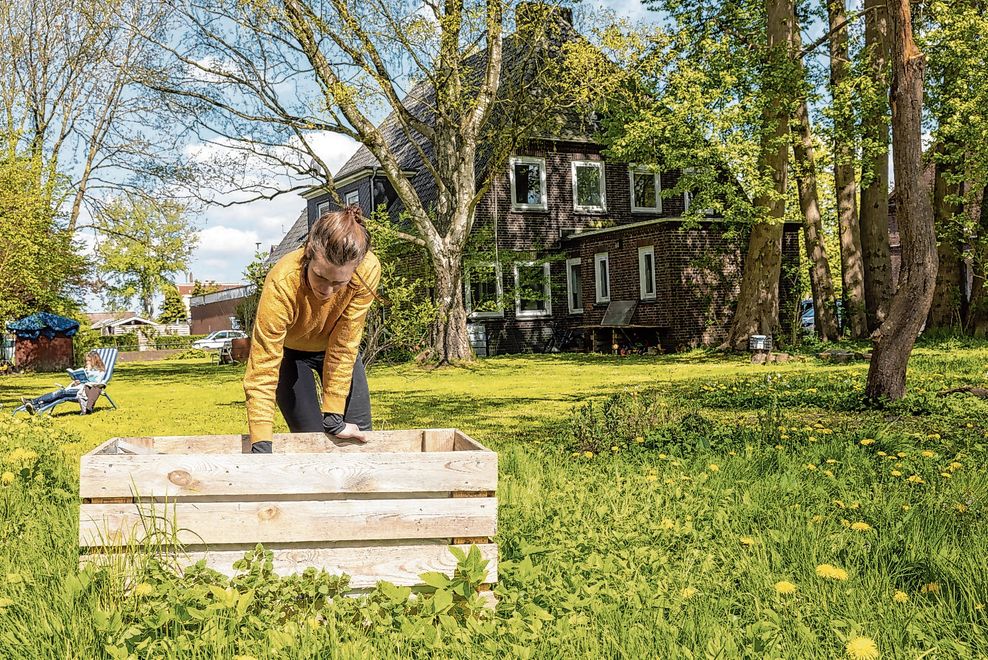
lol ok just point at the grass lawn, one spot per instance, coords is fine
(673, 506)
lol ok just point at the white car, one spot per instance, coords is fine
(218, 338)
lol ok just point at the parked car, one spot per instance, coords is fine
(218, 338)
(807, 318)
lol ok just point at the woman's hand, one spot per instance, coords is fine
(352, 432)
(334, 425)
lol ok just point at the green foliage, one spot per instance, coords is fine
(40, 265)
(143, 245)
(255, 273)
(172, 309)
(400, 329)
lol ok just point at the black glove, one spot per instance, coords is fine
(262, 447)
(333, 423)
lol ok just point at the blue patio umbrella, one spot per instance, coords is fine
(43, 323)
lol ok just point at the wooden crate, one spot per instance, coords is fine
(385, 510)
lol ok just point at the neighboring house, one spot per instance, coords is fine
(586, 251)
(218, 310)
(186, 289)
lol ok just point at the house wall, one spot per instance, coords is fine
(214, 316)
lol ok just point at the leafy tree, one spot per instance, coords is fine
(40, 267)
(255, 273)
(145, 245)
(173, 309)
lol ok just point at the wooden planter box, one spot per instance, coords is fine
(385, 510)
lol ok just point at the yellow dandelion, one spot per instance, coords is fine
(588, 454)
(5, 603)
(979, 606)
(868, 441)
(14, 578)
(816, 519)
(829, 473)
(926, 453)
(915, 479)
(663, 456)
(861, 526)
(689, 592)
(713, 467)
(934, 436)
(854, 505)
(906, 507)
(895, 473)
(614, 447)
(831, 461)
(778, 446)
(652, 477)
(960, 507)
(812, 438)
(784, 436)
(839, 504)
(902, 454)
(810, 467)
(667, 523)
(930, 588)
(955, 466)
(862, 648)
(881, 453)
(784, 587)
(946, 475)
(831, 572)
(143, 590)
(7, 478)
(900, 597)
(639, 440)
(747, 540)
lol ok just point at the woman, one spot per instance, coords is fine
(311, 317)
(95, 372)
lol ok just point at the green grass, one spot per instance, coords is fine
(659, 529)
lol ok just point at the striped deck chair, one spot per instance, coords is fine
(109, 357)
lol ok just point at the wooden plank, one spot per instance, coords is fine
(366, 566)
(438, 439)
(463, 442)
(124, 447)
(263, 522)
(285, 443)
(177, 475)
(108, 447)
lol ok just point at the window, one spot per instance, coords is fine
(646, 272)
(483, 290)
(532, 289)
(602, 277)
(322, 209)
(688, 201)
(352, 197)
(588, 186)
(574, 288)
(527, 183)
(646, 191)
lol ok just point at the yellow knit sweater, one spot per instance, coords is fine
(289, 315)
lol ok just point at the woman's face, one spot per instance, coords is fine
(326, 278)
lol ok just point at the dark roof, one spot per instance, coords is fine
(43, 323)
(520, 64)
(292, 240)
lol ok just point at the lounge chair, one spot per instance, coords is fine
(109, 357)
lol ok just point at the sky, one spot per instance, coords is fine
(229, 236)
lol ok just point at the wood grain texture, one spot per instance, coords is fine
(263, 522)
(177, 475)
(366, 566)
(283, 443)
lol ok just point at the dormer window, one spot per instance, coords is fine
(528, 189)
(646, 190)
(588, 186)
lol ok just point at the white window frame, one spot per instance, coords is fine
(597, 259)
(547, 274)
(569, 285)
(642, 251)
(352, 197)
(527, 160)
(323, 207)
(499, 313)
(636, 169)
(580, 208)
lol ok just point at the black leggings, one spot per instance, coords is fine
(299, 401)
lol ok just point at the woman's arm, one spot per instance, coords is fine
(275, 312)
(344, 341)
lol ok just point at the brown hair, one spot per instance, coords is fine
(97, 360)
(339, 236)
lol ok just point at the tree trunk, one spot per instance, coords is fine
(875, 171)
(758, 301)
(852, 267)
(824, 305)
(450, 340)
(895, 338)
(977, 319)
(946, 312)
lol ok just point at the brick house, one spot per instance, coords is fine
(582, 252)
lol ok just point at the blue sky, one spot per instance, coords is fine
(228, 236)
